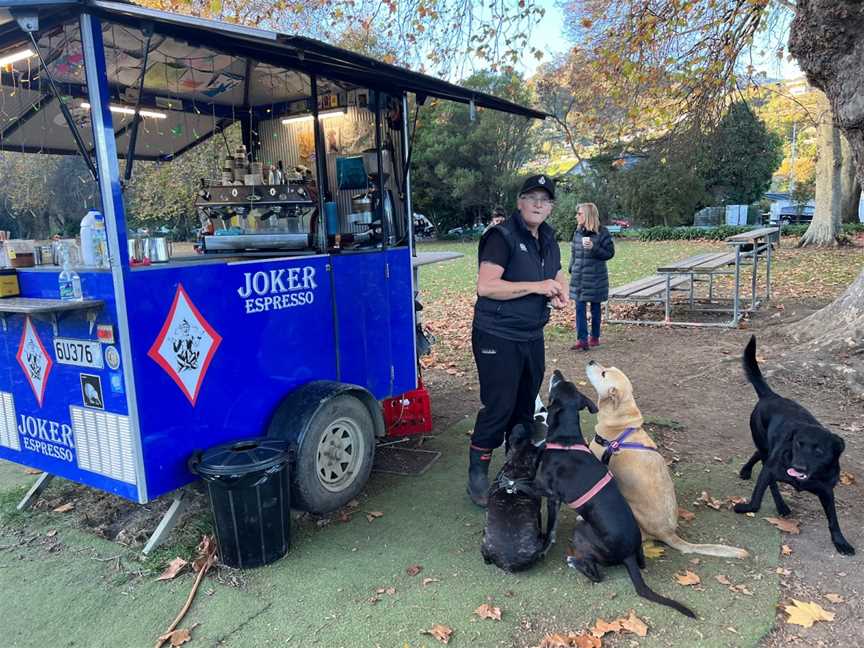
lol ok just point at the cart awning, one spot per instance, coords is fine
(197, 76)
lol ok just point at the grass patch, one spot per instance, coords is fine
(182, 543)
(9, 515)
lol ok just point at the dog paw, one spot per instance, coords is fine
(743, 508)
(845, 548)
(746, 473)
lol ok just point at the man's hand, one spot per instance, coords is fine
(548, 288)
(559, 303)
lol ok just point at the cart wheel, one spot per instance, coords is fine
(335, 457)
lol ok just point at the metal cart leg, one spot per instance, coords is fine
(168, 522)
(35, 490)
(768, 271)
(710, 287)
(692, 288)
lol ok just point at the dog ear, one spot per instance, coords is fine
(519, 436)
(614, 396)
(588, 404)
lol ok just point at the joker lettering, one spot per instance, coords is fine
(278, 289)
(49, 438)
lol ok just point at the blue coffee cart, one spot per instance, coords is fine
(295, 317)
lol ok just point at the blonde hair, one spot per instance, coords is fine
(592, 216)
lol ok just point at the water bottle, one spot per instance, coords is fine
(88, 223)
(100, 242)
(70, 282)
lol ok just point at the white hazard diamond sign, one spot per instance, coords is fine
(34, 360)
(186, 345)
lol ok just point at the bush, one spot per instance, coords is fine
(662, 233)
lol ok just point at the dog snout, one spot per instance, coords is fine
(591, 363)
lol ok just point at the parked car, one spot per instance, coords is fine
(794, 214)
(423, 227)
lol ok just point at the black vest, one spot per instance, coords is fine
(520, 319)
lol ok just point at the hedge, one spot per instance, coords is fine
(662, 233)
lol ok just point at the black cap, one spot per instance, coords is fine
(539, 182)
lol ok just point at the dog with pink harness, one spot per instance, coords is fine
(570, 473)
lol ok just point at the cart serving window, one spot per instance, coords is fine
(295, 315)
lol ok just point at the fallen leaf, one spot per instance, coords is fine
(570, 640)
(722, 579)
(427, 581)
(486, 611)
(735, 499)
(835, 598)
(413, 570)
(695, 561)
(440, 632)
(806, 614)
(740, 589)
(173, 569)
(372, 515)
(178, 637)
(786, 550)
(685, 515)
(32, 471)
(51, 533)
(386, 590)
(64, 508)
(846, 478)
(603, 627)
(652, 551)
(634, 624)
(710, 501)
(206, 554)
(786, 526)
(688, 578)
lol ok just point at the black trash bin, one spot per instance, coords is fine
(249, 487)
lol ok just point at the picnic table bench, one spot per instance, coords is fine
(684, 274)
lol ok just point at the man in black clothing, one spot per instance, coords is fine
(519, 279)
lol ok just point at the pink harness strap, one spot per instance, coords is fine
(596, 488)
(581, 447)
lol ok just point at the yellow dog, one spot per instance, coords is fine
(639, 468)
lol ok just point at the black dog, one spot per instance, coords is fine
(569, 472)
(513, 538)
(793, 448)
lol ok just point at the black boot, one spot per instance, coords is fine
(478, 475)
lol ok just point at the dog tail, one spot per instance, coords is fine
(718, 550)
(646, 592)
(751, 368)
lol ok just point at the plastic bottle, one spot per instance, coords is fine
(88, 251)
(100, 241)
(70, 282)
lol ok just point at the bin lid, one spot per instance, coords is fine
(242, 457)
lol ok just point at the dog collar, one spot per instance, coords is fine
(581, 447)
(617, 445)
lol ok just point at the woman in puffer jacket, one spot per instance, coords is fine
(592, 247)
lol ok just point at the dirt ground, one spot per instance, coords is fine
(692, 379)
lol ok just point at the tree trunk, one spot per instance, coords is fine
(824, 230)
(827, 40)
(850, 187)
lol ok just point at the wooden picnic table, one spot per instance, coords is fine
(684, 273)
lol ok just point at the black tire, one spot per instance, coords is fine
(334, 459)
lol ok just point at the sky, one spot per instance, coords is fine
(547, 37)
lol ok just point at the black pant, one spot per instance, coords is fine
(510, 375)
